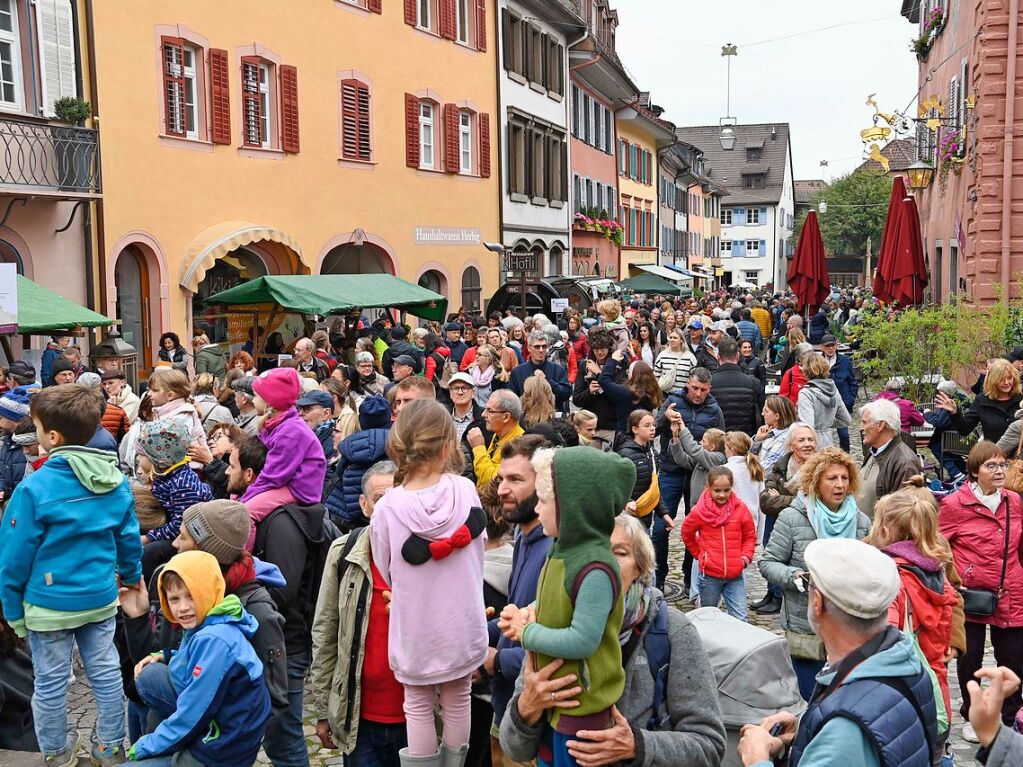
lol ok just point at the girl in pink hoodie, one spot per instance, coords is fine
(428, 535)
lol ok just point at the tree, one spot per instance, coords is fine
(857, 206)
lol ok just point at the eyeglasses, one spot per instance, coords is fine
(538, 346)
(488, 411)
(996, 467)
(460, 389)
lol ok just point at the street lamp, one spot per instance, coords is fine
(822, 206)
(920, 175)
(727, 138)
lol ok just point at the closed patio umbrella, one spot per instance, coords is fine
(881, 286)
(808, 272)
(906, 271)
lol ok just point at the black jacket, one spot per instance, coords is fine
(477, 422)
(16, 686)
(397, 349)
(215, 475)
(599, 404)
(739, 396)
(318, 368)
(752, 366)
(705, 359)
(994, 416)
(697, 418)
(643, 457)
(290, 538)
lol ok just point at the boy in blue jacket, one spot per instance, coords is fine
(209, 692)
(68, 529)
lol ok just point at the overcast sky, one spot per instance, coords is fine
(817, 82)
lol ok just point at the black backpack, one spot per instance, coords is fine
(315, 556)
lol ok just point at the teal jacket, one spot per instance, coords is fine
(842, 741)
(69, 528)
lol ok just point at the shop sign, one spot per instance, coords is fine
(447, 235)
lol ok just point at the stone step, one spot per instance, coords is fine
(27, 759)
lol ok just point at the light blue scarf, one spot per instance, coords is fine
(834, 524)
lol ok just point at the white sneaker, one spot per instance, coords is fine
(969, 734)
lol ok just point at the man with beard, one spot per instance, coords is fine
(517, 490)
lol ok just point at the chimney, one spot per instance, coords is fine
(774, 133)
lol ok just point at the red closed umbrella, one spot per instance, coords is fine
(808, 272)
(880, 284)
(905, 272)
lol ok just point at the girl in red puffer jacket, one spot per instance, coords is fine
(720, 533)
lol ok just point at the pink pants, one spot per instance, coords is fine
(420, 700)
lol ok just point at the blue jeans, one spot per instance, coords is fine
(285, 740)
(672, 486)
(733, 591)
(377, 745)
(51, 661)
(806, 675)
(554, 750)
(773, 589)
(155, 688)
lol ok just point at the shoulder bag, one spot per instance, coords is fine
(982, 603)
(666, 380)
(1014, 474)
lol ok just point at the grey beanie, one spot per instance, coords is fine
(219, 528)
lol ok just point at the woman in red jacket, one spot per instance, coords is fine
(721, 535)
(973, 520)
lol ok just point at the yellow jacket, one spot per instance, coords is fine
(486, 460)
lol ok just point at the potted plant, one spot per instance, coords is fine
(951, 153)
(74, 147)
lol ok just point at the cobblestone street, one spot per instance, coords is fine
(82, 710)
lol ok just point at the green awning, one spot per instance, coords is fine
(324, 294)
(41, 311)
(651, 283)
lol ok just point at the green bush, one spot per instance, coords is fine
(72, 110)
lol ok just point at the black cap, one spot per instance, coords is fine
(828, 339)
(108, 375)
(244, 385)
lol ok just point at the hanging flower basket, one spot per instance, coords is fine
(951, 153)
(921, 46)
(608, 227)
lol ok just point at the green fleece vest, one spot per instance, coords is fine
(601, 675)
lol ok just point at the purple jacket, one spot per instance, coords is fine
(294, 459)
(911, 416)
(438, 627)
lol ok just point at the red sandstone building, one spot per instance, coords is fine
(972, 211)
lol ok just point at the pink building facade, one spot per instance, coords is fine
(970, 80)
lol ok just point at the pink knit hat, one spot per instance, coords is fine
(278, 388)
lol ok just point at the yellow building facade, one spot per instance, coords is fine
(640, 135)
(246, 138)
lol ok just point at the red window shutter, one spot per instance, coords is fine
(481, 25)
(251, 103)
(172, 53)
(484, 127)
(365, 142)
(220, 97)
(350, 120)
(410, 14)
(411, 130)
(451, 159)
(289, 108)
(447, 19)
(376, 6)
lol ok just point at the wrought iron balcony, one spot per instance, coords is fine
(61, 158)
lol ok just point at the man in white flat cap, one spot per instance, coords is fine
(874, 702)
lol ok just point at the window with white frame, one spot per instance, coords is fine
(258, 99)
(752, 248)
(753, 277)
(464, 21)
(752, 216)
(265, 79)
(426, 128)
(188, 71)
(726, 216)
(465, 141)
(424, 15)
(10, 55)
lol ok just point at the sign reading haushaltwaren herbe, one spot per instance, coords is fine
(447, 235)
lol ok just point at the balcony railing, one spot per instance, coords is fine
(61, 158)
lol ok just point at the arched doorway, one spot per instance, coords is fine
(236, 267)
(356, 259)
(554, 261)
(132, 305)
(433, 280)
(471, 288)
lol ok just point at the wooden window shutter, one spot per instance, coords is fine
(376, 6)
(289, 108)
(173, 65)
(251, 103)
(355, 126)
(448, 15)
(451, 149)
(220, 97)
(484, 127)
(410, 15)
(411, 129)
(508, 55)
(481, 25)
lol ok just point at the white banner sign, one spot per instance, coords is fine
(447, 235)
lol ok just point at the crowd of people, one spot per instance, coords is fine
(457, 537)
